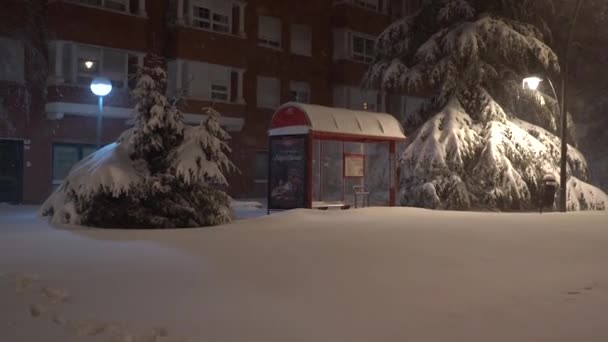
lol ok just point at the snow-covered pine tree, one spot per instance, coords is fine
(159, 126)
(467, 147)
(159, 174)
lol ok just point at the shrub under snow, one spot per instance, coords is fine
(160, 174)
(454, 162)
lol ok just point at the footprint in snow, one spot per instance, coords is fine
(55, 295)
(59, 320)
(37, 310)
(85, 328)
(24, 282)
(156, 335)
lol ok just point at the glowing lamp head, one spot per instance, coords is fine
(101, 86)
(531, 83)
(89, 64)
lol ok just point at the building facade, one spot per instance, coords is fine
(243, 58)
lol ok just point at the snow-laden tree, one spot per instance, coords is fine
(159, 174)
(468, 147)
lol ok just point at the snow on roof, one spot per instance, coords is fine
(323, 119)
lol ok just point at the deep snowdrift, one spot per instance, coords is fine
(379, 274)
(110, 168)
(455, 162)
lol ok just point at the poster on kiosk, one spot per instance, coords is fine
(287, 178)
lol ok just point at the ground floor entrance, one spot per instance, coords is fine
(11, 171)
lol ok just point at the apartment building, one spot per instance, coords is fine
(243, 58)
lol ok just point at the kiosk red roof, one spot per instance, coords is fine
(298, 118)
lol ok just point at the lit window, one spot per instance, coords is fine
(87, 55)
(95, 61)
(269, 32)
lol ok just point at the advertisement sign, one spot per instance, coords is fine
(287, 178)
(354, 165)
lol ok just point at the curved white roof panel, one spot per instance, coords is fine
(320, 119)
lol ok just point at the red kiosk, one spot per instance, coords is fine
(321, 157)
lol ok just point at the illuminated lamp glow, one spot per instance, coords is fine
(101, 86)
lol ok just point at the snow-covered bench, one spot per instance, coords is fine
(330, 205)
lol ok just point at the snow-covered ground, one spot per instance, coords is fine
(380, 274)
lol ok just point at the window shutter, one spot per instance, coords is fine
(301, 40)
(234, 85)
(268, 92)
(236, 19)
(134, 6)
(269, 31)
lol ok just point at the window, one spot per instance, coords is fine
(116, 5)
(95, 61)
(202, 80)
(369, 4)
(269, 92)
(261, 166)
(11, 60)
(362, 48)
(211, 20)
(357, 99)
(372, 5)
(301, 40)
(201, 17)
(353, 46)
(299, 92)
(88, 64)
(269, 32)
(219, 92)
(80, 64)
(65, 156)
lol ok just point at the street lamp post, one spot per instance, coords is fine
(101, 87)
(533, 82)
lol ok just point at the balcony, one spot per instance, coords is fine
(76, 21)
(368, 5)
(347, 14)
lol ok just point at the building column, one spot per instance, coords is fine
(239, 94)
(242, 19)
(180, 12)
(178, 78)
(58, 77)
(142, 8)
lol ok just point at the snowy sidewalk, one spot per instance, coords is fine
(380, 274)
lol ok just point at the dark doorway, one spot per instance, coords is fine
(11, 171)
